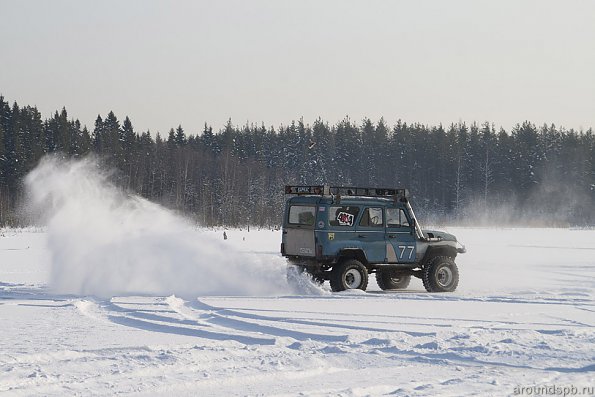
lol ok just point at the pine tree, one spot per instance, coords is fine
(14, 153)
(2, 156)
(322, 152)
(111, 137)
(369, 149)
(128, 140)
(63, 135)
(486, 160)
(208, 140)
(85, 143)
(171, 138)
(504, 173)
(97, 139)
(526, 159)
(382, 155)
(348, 153)
(461, 161)
(180, 137)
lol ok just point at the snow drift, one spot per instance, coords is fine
(105, 242)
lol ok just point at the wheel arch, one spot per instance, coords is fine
(352, 253)
(434, 251)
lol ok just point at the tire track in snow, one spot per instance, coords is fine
(225, 313)
(441, 322)
(142, 320)
(228, 319)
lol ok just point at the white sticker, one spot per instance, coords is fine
(345, 219)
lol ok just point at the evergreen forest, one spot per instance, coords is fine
(234, 176)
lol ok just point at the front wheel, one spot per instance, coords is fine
(441, 275)
(350, 274)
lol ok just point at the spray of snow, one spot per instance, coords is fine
(104, 242)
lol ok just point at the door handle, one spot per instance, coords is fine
(362, 236)
(392, 236)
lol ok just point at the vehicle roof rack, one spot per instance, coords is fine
(326, 190)
(302, 190)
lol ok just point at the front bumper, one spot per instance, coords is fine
(461, 249)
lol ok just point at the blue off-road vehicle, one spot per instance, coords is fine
(342, 234)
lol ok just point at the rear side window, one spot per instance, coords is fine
(342, 216)
(302, 215)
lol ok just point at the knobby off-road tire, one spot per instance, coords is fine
(391, 279)
(350, 274)
(441, 275)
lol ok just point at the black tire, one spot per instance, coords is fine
(391, 279)
(350, 274)
(441, 275)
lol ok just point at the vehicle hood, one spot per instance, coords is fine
(439, 234)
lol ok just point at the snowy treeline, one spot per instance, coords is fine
(235, 176)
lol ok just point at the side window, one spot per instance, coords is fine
(302, 215)
(372, 217)
(342, 216)
(395, 217)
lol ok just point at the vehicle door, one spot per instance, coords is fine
(400, 237)
(341, 229)
(370, 234)
(298, 232)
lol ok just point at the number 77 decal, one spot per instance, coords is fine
(403, 248)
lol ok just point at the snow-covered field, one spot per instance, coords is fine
(523, 317)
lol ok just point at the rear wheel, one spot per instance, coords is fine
(350, 274)
(392, 279)
(441, 275)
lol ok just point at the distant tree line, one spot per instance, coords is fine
(235, 176)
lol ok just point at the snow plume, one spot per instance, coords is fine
(104, 242)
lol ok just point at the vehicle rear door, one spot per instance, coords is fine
(298, 233)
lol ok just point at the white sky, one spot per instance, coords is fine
(165, 63)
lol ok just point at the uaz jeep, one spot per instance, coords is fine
(342, 234)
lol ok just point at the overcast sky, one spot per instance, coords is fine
(165, 63)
